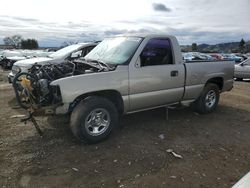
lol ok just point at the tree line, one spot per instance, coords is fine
(18, 42)
(242, 47)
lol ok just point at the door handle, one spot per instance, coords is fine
(174, 73)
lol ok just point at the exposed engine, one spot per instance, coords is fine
(33, 89)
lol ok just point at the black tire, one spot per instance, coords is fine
(83, 110)
(201, 105)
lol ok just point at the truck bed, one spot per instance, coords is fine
(198, 72)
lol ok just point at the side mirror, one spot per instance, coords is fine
(242, 64)
(138, 63)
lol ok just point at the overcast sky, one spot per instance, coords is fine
(52, 22)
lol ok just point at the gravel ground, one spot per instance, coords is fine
(215, 148)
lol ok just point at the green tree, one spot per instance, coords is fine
(29, 44)
(242, 45)
(194, 47)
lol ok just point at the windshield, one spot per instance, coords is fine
(116, 50)
(65, 51)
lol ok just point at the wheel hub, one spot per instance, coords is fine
(210, 99)
(97, 122)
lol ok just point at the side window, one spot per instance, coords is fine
(85, 51)
(157, 52)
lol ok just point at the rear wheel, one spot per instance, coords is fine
(208, 99)
(93, 119)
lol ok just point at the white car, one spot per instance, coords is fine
(67, 53)
(243, 182)
(188, 56)
(242, 70)
(9, 57)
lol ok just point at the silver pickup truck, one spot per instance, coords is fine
(127, 74)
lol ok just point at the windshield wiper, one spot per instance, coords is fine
(102, 64)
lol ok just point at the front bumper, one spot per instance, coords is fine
(57, 109)
(46, 110)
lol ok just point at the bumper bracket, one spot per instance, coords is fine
(34, 122)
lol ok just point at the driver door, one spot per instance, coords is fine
(155, 79)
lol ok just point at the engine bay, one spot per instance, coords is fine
(33, 89)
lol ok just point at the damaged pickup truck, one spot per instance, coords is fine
(122, 75)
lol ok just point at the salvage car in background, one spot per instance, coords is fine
(67, 53)
(207, 57)
(217, 56)
(190, 56)
(198, 56)
(8, 58)
(242, 70)
(187, 56)
(232, 57)
(122, 75)
(244, 57)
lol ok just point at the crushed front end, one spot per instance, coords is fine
(34, 91)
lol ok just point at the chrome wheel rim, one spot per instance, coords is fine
(210, 98)
(97, 122)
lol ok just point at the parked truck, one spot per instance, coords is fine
(123, 75)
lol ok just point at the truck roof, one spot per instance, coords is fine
(147, 35)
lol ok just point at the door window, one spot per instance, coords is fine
(81, 53)
(157, 52)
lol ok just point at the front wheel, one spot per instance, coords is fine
(93, 119)
(208, 100)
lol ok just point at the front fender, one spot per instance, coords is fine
(74, 86)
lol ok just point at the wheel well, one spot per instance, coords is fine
(218, 81)
(112, 95)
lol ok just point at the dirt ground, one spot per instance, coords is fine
(215, 148)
